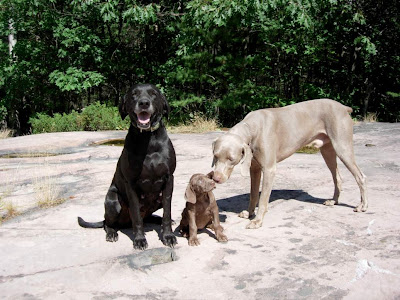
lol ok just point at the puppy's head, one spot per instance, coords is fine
(230, 150)
(199, 184)
(145, 105)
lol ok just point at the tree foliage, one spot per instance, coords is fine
(221, 57)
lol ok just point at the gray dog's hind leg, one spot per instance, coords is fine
(344, 150)
(112, 210)
(351, 165)
(329, 155)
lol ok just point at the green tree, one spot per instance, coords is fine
(72, 53)
(237, 56)
(221, 57)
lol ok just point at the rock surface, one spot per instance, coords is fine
(304, 250)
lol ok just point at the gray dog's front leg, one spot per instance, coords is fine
(268, 178)
(168, 238)
(255, 177)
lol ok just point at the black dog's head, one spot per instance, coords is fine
(145, 105)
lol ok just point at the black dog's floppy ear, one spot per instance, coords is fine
(166, 108)
(122, 108)
(190, 195)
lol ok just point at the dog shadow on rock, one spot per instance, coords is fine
(150, 223)
(153, 223)
(237, 204)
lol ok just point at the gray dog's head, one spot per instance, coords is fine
(145, 105)
(230, 150)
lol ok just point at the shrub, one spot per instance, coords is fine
(94, 117)
(197, 123)
(41, 123)
(100, 117)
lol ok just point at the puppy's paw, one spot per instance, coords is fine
(184, 234)
(112, 236)
(193, 241)
(140, 243)
(330, 202)
(169, 240)
(184, 231)
(244, 214)
(254, 224)
(222, 238)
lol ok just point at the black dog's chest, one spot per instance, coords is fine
(153, 174)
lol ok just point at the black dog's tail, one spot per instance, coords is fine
(85, 224)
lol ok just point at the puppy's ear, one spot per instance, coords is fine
(245, 163)
(190, 195)
(122, 108)
(210, 175)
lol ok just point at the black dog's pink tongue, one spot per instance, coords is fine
(144, 117)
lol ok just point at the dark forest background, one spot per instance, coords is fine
(219, 57)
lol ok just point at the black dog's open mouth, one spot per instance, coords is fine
(143, 120)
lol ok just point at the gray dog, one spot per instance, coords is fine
(268, 136)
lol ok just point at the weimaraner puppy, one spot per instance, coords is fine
(201, 209)
(268, 136)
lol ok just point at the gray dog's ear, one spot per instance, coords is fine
(122, 108)
(246, 161)
(213, 162)
(190, 196)
(213, 146)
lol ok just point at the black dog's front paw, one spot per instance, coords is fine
(140, 243)
(169, 240)
(111, 235)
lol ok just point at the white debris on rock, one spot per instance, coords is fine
(369, 231)
(364, 266)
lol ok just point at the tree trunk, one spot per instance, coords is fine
(11, 38)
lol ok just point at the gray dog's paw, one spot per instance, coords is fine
(361, 208)
(254, 224)
(169, 240)
(244, 214)
(330, 202)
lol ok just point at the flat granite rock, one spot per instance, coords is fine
(304, 250)
(149, 258)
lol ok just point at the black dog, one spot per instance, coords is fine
(143, 181)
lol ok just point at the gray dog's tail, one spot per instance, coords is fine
(349, 109)
(85, 224)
